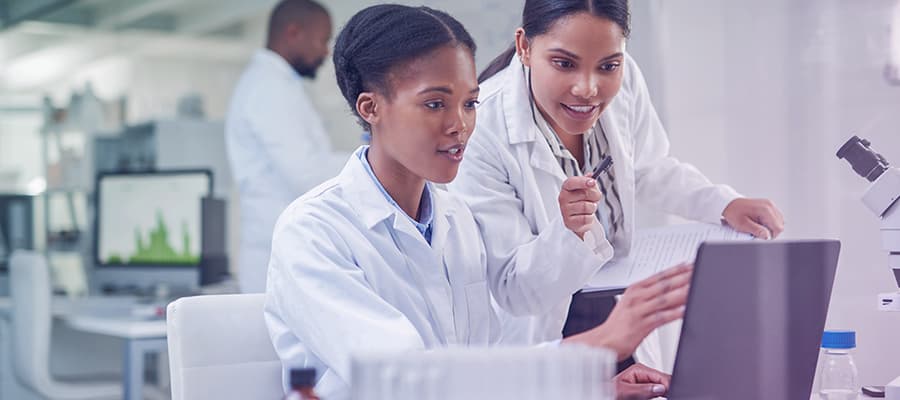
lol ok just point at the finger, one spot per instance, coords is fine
(658, 319)
(670, 300)
(640, 373)
(772, 221)
(578, 183)
(574, 196)
(581, 208)
(750, 226)
(645, 391)
(653, 280)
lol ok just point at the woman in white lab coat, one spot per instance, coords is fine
(380, 259)
(547, 118)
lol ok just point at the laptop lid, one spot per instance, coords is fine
(754, 320)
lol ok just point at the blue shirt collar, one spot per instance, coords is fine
(426, 209)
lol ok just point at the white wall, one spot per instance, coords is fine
(761, 95)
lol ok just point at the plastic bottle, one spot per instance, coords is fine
(303, 382)
(837, 380)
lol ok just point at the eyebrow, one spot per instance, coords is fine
(575, 56)
(445, 89)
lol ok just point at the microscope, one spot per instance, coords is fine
(882, 199)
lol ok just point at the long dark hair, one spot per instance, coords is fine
(538, 17)
(381, 37)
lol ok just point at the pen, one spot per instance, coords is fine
(603, 167)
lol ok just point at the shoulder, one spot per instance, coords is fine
(318, 210)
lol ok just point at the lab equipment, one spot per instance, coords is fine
(755, 316)
(166, 145)
(303, 382)
(880, 198)
(149, 222)
(499, 373)
(16, 225)
(873, 391)
(838, 379)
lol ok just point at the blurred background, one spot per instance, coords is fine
(759, 95)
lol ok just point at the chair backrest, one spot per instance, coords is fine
(219, 348)
(31, 319)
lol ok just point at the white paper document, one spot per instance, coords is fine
(654, 250)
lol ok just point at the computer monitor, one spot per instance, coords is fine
(150, 219)
(16, 225)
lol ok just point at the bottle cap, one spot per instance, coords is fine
(839, 340)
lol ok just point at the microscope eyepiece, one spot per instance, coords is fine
(867, 163)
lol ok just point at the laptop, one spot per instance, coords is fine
(754, 320)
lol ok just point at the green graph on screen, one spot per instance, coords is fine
(154, 247)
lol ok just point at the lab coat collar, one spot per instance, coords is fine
(363, 193)
(517, 104)
(371, 206)
(275, 62)
(520, 122)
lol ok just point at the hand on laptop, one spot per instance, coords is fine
(640, 382)
(645, 306)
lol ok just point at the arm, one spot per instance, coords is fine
(293, 136)
(319, 292)
(529, 272)
(679, 188)
(661, 180)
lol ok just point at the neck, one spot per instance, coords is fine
(401, 184)
(573, 143)
(280, 50)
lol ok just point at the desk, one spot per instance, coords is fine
(112, 316)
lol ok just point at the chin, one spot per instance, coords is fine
(443, 177)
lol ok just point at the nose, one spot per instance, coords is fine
(458, 125)
(587, 86)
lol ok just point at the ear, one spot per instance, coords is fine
(523, 47)
(293, 30)
(367, 107)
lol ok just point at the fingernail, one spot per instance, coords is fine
(591, 182)
(659, 389)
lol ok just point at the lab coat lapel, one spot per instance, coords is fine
(521, 127)
(449, 253)
(428, 264)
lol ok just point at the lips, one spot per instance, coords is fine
(454, 153)
(580, 112)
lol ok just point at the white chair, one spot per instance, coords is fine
(31, 323)
(219, 348)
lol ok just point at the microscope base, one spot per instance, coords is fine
(892, 390)
(889, 301)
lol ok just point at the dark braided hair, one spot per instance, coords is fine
(381, 37)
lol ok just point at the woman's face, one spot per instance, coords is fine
(576, 70)
(423, 124)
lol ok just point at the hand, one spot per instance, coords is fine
(640, 382)
(645, 306)
(578, 202)
(758, 217)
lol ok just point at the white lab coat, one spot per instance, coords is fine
(511, 181)
(278, 149)
(349, 270)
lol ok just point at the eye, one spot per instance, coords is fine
(610, 67)
(434, 105)
(563, 63)
(472, 103)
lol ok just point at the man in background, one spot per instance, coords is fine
(277, 145)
